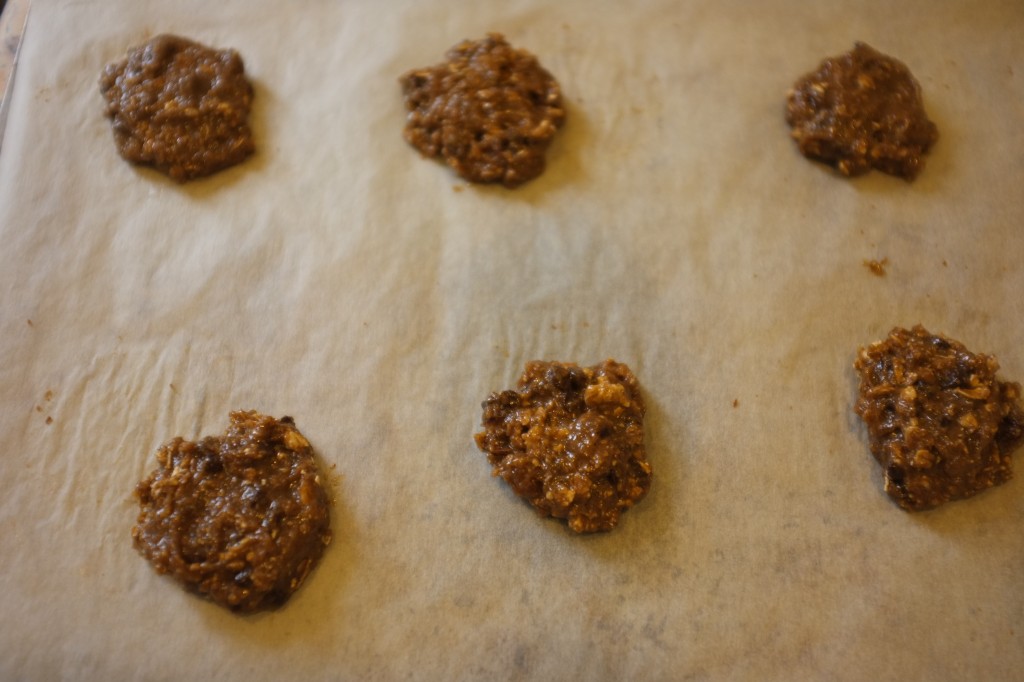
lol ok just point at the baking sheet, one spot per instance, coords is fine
(339, 278)
(12, 25)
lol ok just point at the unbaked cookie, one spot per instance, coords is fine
(862, 110)
(570, 440)
(939, 421)
(179, 107)
(240, 518)
(490, 111)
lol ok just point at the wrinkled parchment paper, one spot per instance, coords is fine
(340, 278)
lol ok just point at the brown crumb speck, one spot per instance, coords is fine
(48, 395)
(49, 420)
(30, 323)
(39, 408)
(877, 267)
(736, 402)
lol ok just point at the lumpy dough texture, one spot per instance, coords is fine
(570, 440)
(862, 110)
(939, 422)
(240, 518)
(179, 107)
(490, 111)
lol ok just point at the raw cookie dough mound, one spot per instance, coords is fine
(490, 111)
(570, 440)
(180, 107)
(862, 110)
(240, 518)
(939, 422)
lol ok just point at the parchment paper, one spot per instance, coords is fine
(340, 278)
